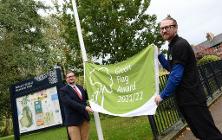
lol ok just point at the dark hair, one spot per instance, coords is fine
(69, 71)
(172, 19)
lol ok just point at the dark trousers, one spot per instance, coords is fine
(201, 122)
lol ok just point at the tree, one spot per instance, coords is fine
(113, 30)
(23, 51)
(56, 43)
(69, 33)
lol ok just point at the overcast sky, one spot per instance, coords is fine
(194, 17)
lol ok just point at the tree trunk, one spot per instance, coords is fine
(7, 129)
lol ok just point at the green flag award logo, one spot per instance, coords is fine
(126, 88)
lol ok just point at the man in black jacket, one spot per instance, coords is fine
(76, 110)
(184, 81)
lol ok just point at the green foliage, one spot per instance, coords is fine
(6, 127)
(207, 59)
(117, 29)
(23, 51)
(112, 30)
(56, 43)
(71, 51)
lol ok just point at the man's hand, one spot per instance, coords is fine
(158, 99)
(89, 109)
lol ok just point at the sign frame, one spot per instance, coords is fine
(30, 87)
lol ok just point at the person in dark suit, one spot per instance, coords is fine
(76, 110)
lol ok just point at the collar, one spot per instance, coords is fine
(171, 44)
(72, 85)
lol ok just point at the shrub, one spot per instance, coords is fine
(207, 59)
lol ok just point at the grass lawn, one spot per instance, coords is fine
(114, 128)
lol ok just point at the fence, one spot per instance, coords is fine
(168, 115)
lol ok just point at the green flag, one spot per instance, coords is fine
(126, 88)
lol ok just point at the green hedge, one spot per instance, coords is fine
(207, 59)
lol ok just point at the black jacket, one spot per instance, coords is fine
(190, 91)
(74, 107)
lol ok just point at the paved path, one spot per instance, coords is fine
(216, 111)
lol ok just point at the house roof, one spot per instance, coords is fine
(209, 43)
(216, 40)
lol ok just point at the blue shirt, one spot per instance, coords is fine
(174, 79)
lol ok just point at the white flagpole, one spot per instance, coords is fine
(84, 57)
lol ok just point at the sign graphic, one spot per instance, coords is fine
(38, 110)
(127, 88)
(35, 103)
